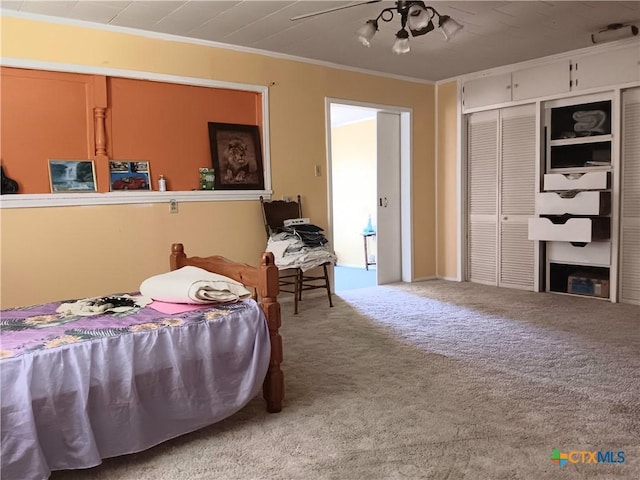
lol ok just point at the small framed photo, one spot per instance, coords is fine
(236, 153)
(129, 175)
(72, 176)
(207, 179)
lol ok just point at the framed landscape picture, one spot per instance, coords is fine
(129, 175)
(72, 176)
(236, 153)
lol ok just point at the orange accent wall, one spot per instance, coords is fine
(44, 115)
(167, 124)
(50, 115)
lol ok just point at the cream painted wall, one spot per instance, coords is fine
(41, 246)
(58, 253)
(447, 227)
(353, 154)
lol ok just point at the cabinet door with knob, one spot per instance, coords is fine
(541, 81)
(490, 90)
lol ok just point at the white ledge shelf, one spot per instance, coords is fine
(31, 200)
(581, 140)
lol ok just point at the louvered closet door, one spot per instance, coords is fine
(482, 158)
(630, 205)
(516, 267)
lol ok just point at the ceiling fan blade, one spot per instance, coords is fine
(328, 10)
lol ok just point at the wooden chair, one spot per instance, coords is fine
(292, 280)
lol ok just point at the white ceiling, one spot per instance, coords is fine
(494, 33)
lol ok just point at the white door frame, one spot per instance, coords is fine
(406, 157)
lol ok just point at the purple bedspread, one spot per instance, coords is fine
(76, 390)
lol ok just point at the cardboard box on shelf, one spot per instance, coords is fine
(585, 283)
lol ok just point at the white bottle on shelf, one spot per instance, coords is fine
(162, 184)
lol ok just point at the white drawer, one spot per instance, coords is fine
(576, 181)
(594, 253)
(573, 230)
(583, 203)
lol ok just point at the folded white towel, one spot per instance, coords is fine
(193, 285)
(589, 121)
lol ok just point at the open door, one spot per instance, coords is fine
(389, 261)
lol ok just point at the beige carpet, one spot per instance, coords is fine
(433, 380)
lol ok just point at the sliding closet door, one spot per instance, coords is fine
(482, 158)
(630, 199)
(517, 196)
(501, 174)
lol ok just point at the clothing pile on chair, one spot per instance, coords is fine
(311, 235)
(301, 246)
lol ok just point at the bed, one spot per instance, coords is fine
(78, 389)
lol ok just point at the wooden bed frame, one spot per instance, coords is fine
(264, 281)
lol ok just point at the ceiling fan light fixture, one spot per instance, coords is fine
(415, 17)
(449, 27)
(422, 31)
(367, 31)
(401, 44)
(419, 19)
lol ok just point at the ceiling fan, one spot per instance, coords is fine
(334, 9)
(414, 15)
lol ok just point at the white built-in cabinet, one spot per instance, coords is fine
(519, 85)
(501, 196)
(630, 198)
(582, 72)
(574, 206)
(553, 186)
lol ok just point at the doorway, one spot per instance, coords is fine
(369, 193)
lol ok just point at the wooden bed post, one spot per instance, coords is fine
(273, 388)
(177, 258)
(266, 281)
